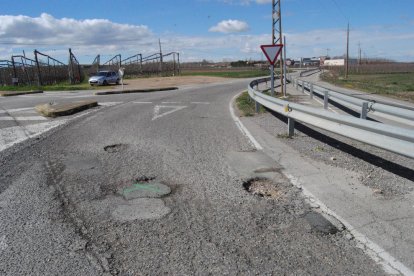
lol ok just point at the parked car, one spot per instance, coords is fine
(104, 78)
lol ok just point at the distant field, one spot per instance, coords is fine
(228, 74)
(398, 85)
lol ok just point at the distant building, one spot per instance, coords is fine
(334, 62)
(339, 62)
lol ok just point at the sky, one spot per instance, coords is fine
(213, 30)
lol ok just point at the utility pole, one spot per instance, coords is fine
(159, 42)
(347, 53)
(277, 39)
(359, 53)
(284, 65)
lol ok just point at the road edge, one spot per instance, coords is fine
(380, 256)
(240, 125)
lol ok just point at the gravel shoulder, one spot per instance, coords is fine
(370, 188)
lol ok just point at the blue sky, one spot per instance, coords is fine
(205, 29)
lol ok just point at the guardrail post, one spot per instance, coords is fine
(364, 110)
(325, 99)
(297, 84)
(257, 105)
(291, 127)
(311, 91)
(303, 87)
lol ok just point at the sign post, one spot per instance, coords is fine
(121, 73)
(272, 52)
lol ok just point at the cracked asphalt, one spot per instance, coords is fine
(63, 211)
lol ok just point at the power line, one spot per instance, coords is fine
(340, 10)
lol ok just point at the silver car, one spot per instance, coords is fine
(104, 78)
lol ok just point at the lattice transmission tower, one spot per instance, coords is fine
(277, 34)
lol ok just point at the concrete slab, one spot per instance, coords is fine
(146, 90)
(56, 110)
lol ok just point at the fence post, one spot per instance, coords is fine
(303, 87)
(311, 91)
(325, 100)
(291, 127)
(39, 76)
(364, 110)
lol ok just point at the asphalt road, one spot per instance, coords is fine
(152, 184)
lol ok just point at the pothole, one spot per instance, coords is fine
(145, 187)
(263, 187)
(115, 148)
(320, 224)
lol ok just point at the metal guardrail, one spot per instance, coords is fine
(392, 112)
(395, 139)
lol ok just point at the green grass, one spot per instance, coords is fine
(64, 86)
(228, 74)
(398, 85)
(246, 105)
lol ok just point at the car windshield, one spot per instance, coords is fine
(101, 74)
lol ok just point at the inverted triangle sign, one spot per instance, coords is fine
(272, 52)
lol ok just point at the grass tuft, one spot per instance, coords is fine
(247, 106)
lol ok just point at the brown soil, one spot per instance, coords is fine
(178, 81)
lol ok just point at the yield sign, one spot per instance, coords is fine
(272, 52)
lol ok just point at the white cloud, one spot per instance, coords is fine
(230, 26)
(263, 1)
(91, 37)
(47, 30)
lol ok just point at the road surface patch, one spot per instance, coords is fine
(140, 208)
(63, 109)
(146, 190)
(18, 93)
(320, 224)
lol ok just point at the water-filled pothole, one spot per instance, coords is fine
(263, 187)
(115, 148)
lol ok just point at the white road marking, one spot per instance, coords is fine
(142, 102)
(81, 96)
(241, 127)
(200, 102)
(24, 109)
(28, 118)
(110, 103)
(17, 134)
(173, 108)
(171, 102)
(390, 264)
